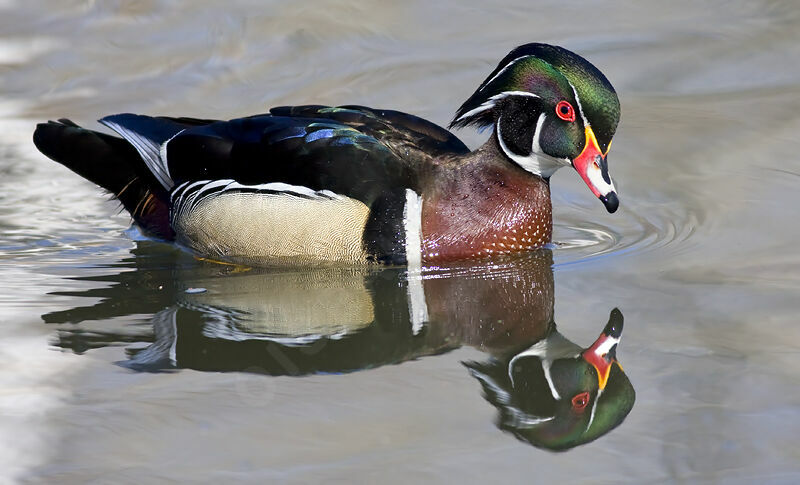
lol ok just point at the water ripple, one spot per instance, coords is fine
(639, 228)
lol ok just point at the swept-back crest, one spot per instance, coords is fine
(541, 70)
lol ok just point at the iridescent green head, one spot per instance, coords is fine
(557, 395)
(549, 108)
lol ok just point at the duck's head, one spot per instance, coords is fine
(549, 108)
(557, 395)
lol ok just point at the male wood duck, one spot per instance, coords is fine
(557, 395)
(315, 184)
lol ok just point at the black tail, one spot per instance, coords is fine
(111, 163)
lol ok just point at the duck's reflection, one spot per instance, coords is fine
(556, 394)
(548, 391)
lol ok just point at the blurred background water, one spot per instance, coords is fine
(111, 372)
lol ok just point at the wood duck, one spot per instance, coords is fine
(548, 391)
(315, 185)
(557, 395)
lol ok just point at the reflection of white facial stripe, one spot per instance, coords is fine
(600, 351)
(517, 417)
(537, 162)
(595, 176)
(594, 408)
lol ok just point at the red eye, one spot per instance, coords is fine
(580, 401)
(565, 111)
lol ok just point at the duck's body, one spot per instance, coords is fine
(314, 184)
(482, 206)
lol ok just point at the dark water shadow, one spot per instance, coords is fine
(548, 391)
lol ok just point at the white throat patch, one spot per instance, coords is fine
(537, 163)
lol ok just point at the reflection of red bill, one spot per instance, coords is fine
(592, 167)
(603, 352)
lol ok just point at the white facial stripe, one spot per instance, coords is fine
(515, 93)
(537, 163)
(486, 105)
(501, 71)
(490, 103)
(580, 108)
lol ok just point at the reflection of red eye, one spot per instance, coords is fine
(565, 111)
(580, 401)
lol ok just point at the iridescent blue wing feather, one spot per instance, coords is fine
(353, 151)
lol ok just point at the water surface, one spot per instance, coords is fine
(112, 371)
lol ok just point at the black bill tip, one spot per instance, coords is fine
(611, 202)
(614, 326)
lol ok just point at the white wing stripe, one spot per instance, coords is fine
(163, 154)
(148, 150)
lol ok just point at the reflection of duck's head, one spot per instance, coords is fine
(557, 395)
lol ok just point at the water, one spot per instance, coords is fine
(112, 371)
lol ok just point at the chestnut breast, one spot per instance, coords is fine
(479, 214)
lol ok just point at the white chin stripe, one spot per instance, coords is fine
(537, 162)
